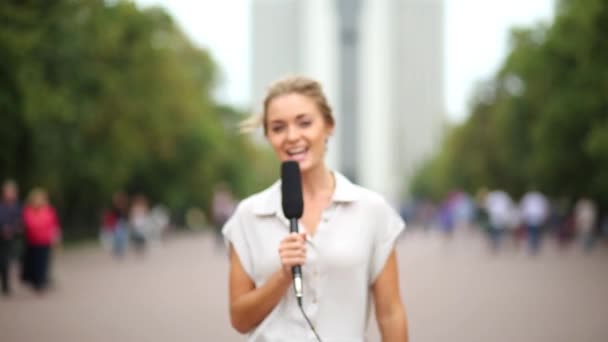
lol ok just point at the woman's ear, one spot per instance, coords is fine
(330, 131)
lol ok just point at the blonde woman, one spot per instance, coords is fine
(345, 245)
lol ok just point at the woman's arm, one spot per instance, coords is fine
(250, 305)
(390, 313)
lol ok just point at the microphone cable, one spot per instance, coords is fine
(308, 320)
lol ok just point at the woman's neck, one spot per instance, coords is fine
(318, 181)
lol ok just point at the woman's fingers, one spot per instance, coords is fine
(295, 237)
(293, 241)
(292, 250)
(289, 247)
(289, 262)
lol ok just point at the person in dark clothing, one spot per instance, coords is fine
(10, 225)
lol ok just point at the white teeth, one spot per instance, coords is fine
(296, 151)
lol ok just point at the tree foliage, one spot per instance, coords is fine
(542, 121)
(97, 96)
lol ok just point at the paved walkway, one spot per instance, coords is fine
(454, 291)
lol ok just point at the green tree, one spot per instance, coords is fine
(98, 96)
(543, 119)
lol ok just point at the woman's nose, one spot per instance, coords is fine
(292, 133)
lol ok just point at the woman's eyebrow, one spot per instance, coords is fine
(302, 115)
(298, 117)
(276, 121)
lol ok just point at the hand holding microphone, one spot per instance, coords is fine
(292, 251)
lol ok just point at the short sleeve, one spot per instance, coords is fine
(235, 234)
(389, 227)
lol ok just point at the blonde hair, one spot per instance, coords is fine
(290, 85)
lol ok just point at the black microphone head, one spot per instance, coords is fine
(291, 190)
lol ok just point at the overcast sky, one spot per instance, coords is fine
(476, 38)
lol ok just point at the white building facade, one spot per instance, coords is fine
(383, 76)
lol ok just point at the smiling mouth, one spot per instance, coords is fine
(297, 154)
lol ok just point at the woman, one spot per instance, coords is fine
(345, 244)
(41, 232)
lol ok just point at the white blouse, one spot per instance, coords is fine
(349, 249)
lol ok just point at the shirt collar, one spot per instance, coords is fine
(269, 202)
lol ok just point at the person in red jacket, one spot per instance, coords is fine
(41, 232)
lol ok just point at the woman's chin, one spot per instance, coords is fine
(304, 163)
(300, 161)
(305, 166)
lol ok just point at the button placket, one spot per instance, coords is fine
(325, 217)
(312, 281)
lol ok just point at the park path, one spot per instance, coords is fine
(454, 290)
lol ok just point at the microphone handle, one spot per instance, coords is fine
(296, 270)
(293, 225)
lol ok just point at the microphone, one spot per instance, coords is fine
(293, 205)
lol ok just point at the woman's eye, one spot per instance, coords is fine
(277, 129)
(305, 123)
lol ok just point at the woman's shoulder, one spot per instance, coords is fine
(261, 201)
(375, 202)
(348, 191)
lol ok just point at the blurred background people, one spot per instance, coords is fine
(585, 220)
(159, 223)
(456, 213)
(482, 217)
(10, 225)
(562, 221)
(114, 230)
(534, 210)
(515, 227)
(603, 228)
(464, 211)
(42, 231)
(498, 205)
(222, 207)
(139, 221)
(445, 214)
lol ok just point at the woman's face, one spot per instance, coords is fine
(297, 130)
(39, 200)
